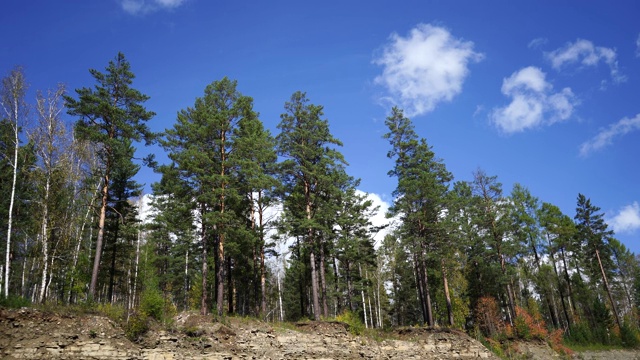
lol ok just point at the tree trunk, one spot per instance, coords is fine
(336, 284)
(364, 304)
(564, 306)
(323, 283)
(312, 258)
(349, 286)
(280, 298)
(112, 272)
(220, 276)
(427, 294)
(606, 286)
(186, 280)
(221, 227)
(446, 293)
(373, 323)
(79, 236)
(263, 283)
(101, 220)
(203, 299)
(45, 240)
(548, 292)
(263, 270)
(135, 274)
(510, 297)
(572, 304)
(231, 288)
(301, 282)
(314, 284)
(378, 281)
(420, 288)
(7, 264)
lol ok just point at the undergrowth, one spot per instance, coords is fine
(14, 302)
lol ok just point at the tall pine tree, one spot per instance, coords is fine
(110, 114)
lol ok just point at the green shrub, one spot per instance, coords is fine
(137, 326)
(113, 312)
(629, 336)
(152, 303)
(580, 334)
(356, 326)
(14, 302)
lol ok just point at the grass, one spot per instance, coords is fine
(593, 347)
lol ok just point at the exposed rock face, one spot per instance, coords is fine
(31, 334)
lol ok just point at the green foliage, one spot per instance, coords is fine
(137, 326)
(152, 303)
(193, 331)
(629, 335)
(112, 311)
(14, 301)
(356, 327)
(580, 334)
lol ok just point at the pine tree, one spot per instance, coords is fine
(310, 158)
(524, 212)
(592, 238)
(492, 221)
(256, 165)
(558, 230)
(202, 145)
(419, 197)
(109, 114)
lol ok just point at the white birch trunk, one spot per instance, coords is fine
(364, 304)
(7, 262)
(12, 101)
(135, 276)
(45, 241)
(280, 298)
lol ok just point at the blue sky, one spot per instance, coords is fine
(544, 93)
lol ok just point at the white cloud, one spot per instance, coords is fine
(135, 7)
(605, 136)
(537, 42)
(425, 68)
(627, 220)
(533, 102)
(379, 219)
(638, 46)
(586, 53)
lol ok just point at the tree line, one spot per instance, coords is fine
(461, 254)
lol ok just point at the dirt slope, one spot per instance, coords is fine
(32, 334)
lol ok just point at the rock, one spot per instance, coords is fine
(235, 339)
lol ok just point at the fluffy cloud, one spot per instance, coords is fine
(135, 7)
(380, 218)
(586, 53)
(638, 46)
(627, 220)
(533, 102)
(605, 136)
(425, 68)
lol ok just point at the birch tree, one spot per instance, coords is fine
(14, 106)
(49, 137)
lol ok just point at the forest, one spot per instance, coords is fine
(469, 255)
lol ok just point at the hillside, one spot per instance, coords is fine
(34, 334)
